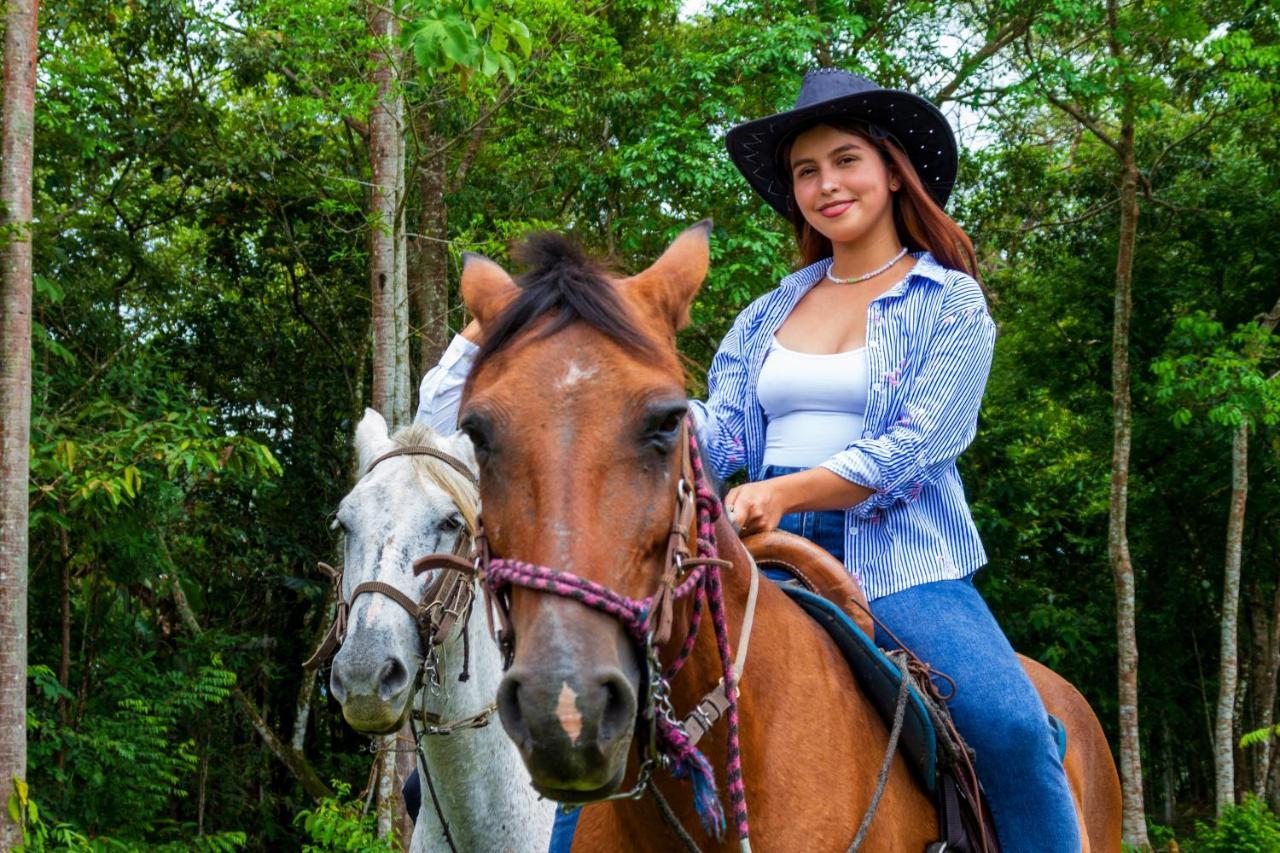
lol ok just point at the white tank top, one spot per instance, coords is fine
(814, 404)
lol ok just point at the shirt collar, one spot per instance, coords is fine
(926, 267)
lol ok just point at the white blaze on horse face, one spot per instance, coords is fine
(387, 570)
(567, 711)
(575, 374)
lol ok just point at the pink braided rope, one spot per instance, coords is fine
(703, 580)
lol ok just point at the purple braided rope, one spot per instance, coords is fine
(703, 580)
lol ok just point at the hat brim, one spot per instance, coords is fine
(916, 124)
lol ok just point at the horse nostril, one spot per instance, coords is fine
(336, 687)
(510, 712)
(619, 713)
(392, 678)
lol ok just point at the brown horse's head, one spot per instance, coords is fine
(575, 406)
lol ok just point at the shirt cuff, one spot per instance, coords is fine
(458, 356)
(857, 468)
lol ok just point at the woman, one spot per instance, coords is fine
(849, 391)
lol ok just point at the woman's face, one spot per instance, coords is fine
(842, 185)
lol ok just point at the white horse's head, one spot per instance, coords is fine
(404, 508)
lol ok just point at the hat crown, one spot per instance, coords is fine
(825, 84)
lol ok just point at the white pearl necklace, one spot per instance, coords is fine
(872, 274)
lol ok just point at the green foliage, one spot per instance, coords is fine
(1232, 378)
(1249, 827)
(40, 837)
(467, 36)
(342, 824)
(1258, 736)
(129, 756)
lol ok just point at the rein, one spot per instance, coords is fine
(664, 740)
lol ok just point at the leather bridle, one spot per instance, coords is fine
(663, 740)
(447, 600)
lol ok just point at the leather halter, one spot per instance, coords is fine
(448, 598)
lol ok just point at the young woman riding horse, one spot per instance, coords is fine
(847, 393)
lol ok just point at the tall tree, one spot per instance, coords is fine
(1102, 71)
(388, 294)
(1224, 737)
(15, 391)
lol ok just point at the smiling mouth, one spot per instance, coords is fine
(835, 208)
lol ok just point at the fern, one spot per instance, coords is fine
(1258, 736)
(339, 824)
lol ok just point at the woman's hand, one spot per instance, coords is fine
(756, 507)
(472, 332)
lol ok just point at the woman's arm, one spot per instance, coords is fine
(440, 394)
(720, 421)
(761, 505)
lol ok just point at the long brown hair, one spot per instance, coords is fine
(921, 224)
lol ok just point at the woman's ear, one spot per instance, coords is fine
(486, 287)
(668, 287)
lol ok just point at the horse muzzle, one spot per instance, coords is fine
(572, 727)
(375, 698)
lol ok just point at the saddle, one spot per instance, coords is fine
(932, 747)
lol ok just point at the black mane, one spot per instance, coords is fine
(563, 282)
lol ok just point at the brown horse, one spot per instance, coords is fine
(575, 407)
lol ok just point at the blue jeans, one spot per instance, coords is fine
(996, 708)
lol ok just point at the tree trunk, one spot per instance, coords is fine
(429, 255)
(1224, 741)
(387, 793)
(16, 147)
(1266, 691)
(1135, 823)
(384, 156)
(404, 363)
(406, 763)
(1266, 637)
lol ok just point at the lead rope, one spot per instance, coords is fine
(426, 772)
(899, 660)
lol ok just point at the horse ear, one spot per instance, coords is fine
(461, 447)
(486, 287)
(372, 438)
(670, 284)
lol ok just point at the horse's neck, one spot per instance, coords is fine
(481, 783)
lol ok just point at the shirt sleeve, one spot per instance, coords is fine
(719, 421)
(938, 418)
(440, 394)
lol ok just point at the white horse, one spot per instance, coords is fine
(406, 507)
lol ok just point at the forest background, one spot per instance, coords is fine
(248, 219)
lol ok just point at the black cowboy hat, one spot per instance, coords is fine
(915, 124)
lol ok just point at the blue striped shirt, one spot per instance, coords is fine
(929, 345)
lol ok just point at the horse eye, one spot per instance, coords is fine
(663, 427)
(452, 524)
